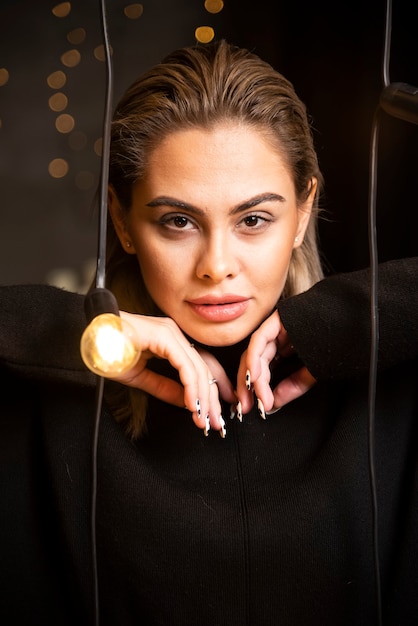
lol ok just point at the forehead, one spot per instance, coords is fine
(227, 153)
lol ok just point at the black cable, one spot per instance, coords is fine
(98, 410)
(104, 175)
(386, 47)
(374, 311)
(100, 283)
(374, 314)
(374, 346)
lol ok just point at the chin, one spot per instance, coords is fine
(221, 337)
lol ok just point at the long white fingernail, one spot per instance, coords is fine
(261, 409)
(239, 411)
(198, 408)
(248, 380)
(222, 432)
(273, 410)
(232, 412)
(207, 426)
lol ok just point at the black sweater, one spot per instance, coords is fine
(270, 526)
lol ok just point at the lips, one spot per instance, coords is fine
(219, 308)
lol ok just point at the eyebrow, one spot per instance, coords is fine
(248, 204)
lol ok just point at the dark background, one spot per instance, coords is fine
(332, 53)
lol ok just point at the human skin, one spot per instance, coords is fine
(213, 224)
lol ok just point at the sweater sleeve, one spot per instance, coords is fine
(330, 324)
(40, 332)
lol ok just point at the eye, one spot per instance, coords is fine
(175, 222)
(179, 221)
(254, 221)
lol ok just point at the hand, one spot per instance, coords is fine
(269, 341)
(161, 337)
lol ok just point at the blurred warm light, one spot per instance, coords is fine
(58, 168)
(98, 147)
(56, 80)
(204, 34)
(77, 140)
(71, 58)
(62, 10)
(133, 11)
(76, 36)
(58, 102)
(63, 278)
(4, 76)
(84, 180)
(214, 6)
(99, 52)
(64, 123)
(107, 346)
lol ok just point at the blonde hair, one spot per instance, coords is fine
(199, 87)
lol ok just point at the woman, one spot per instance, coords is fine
(213, 198)
(214, 183)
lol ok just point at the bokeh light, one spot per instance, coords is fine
(76, 36)
(214, 6)
(58, 102)
(58, 168)
(64, 123)
(62, 10)
(71, 58)
(133, 11)
(204, 34)
(4, 76)
(57, 80)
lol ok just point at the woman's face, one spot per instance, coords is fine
(213, 225)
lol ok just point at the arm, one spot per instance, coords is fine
(40, 330)
(329, 327)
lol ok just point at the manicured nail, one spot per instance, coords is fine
(207, 426)
(198, 408)
(222, 432)
(248, 380)
(272, 411)
(232, 412)
(261, 409)
(239, 411)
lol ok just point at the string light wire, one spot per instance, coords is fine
(374, 311)
(374, 347)
(100, 281)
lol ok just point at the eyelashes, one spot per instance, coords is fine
(180, 222)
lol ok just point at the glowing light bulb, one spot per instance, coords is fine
(107, 347)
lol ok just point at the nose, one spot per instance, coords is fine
(218, 259)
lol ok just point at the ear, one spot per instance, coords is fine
(118, 216)
(304, 214)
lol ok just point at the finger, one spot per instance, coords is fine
(156, 385)
(224, 385)
(291, 388)
(244, 387)
(162, 338)
(247, 384)
(263, 343)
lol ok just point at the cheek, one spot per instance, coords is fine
(154, 272)
(272, 259)
(161, 273)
